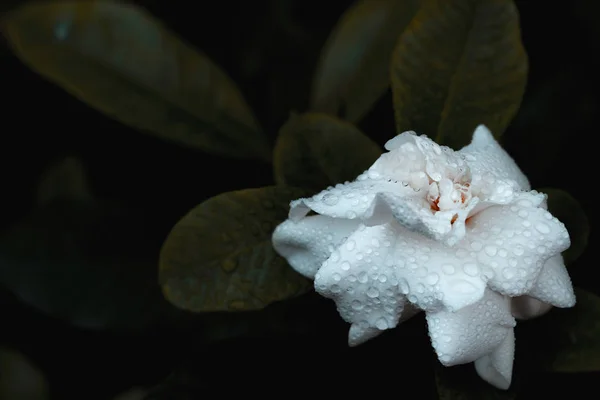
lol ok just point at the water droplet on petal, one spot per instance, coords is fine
(372, 292)
(356, 305)
(330, 199)
(381, 324)
(363, 277)
(542, 228)
(491, 250)
(448, 269)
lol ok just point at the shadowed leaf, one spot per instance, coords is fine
(353, 71)
(219, 257)
(20, 379)
(568, 211)
(314, 151)
(86, 261)
(568, 340)
(121, 61)
(64, 179)
(457, 65)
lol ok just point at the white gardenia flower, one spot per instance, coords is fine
(457, 234)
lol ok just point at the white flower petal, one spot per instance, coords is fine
(472, 332)
(434, 276)
(515, 241)
(350, 200)
(489, 161)
(525, 307)
(307, 243)
(366, 293)
(496, 367)
(553, 285)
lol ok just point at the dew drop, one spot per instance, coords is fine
(381, 324)
(448, 269)
(403, 286)
(508, 273)
(363, 277)
(356, 305)
(432, 278)
(350, 245)
(491, 250)
(345, 266)
(330, 199)
(542, 228)
(476, 245)
(372, 292)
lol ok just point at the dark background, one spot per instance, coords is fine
(270, 49)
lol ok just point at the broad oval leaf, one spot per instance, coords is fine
(118, 59)
(457, 65)
(317, 150)
(353, 70)
(219, 257)
(568, 210)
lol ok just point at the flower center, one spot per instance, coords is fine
(447, 195)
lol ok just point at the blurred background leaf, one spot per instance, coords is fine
(120, 60)
(64, 180)
(219, 256)
(566, 340)
(457, 383)
(457, 65)
(73, 257)
(353, 69)
(315, 150)
(568, 210)
(20, 379)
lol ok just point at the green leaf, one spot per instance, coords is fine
(568, 210)
(20, 379)
(314, 151)
(86, 261)
(462, 383)
(568, 340)
(219, 257)
(118, 59)
(89, 263)
(457, 65)
(65, 179)
(353, 70)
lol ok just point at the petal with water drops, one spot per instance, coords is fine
(553, 284)
(308, 242)
(432, 275)
(365, 290)
(496, 367)
(515, 241)
(490, 162)
(472, 332)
